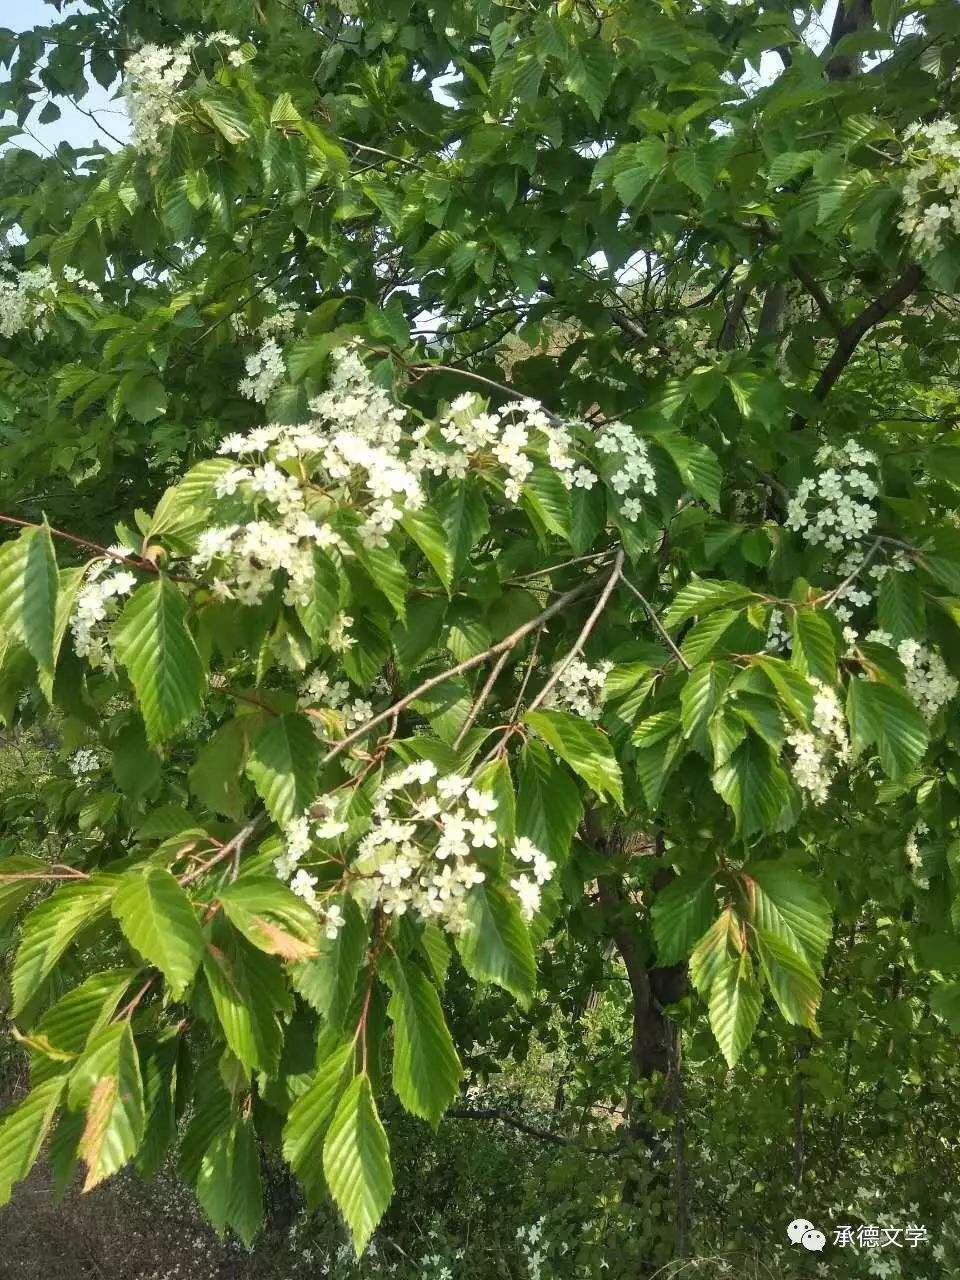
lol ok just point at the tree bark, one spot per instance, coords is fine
(655, 1063)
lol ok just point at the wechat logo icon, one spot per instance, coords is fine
(803, 1232)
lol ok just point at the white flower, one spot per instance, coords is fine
(480, 801)
(528, 891)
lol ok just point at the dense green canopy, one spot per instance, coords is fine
(481, 485)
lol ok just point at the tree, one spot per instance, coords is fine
(374, 663)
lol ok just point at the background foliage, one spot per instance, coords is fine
(704, 665)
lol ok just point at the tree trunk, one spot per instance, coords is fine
(658, 1180)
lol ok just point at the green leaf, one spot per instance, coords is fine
(158, 1068)
(78, 1016)
(783, 902)
(14, 892)
(710, 634)
(143, 396)
(152, 640)
(387, 573)
(324, 603)
(108, 1084)
(814, 646)
(544, 494)
(51, 927)
(754, 785)
(636, 164)
(356, 1162)
(701, 596)
(272, 917)
(588, 516)
(70, 581)
(225, 118)
(217, 774)
(188, 505)
(158, 920)
(584, 748)
(309, 1119)
(283, 766)
(681, 912)
(23, 1131)
(900, 607)
(734, 1006)
(229, 1186)
(702, 695)
(136, 769)
(28, 593)
(694, 170)
(493, 778)
(792, 982)
(429, 533)
(722, 942)
(463, 512)
(944, 1001)
(247, 989)
(426, 1069)
(697, 464)
(495, 943)
(883, 716)
(592, 69)
(549, 807)
(328, 981)
(793, 689)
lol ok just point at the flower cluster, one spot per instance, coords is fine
(914, 857)
(633, 471)
(422, 852)
(931, 191)
(778, 633)
(300, 834)
(820, 751)
(265, 370)
(28, 300)
(319, 691)
(579, 689)
(512, 436)
(97, 603)
(153, 79)
(528, 886)
(929, 682)
(245, 557)
(835, 508)
(356, 450)
(278, 321)
(83, 761)
(679, 346)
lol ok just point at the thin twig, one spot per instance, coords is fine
(527, 674)
(484, 694)
(588, 626)
(828, 597)
(135, 562)
(504, 645)
(423, 369)
(660, 628)
(232, 849)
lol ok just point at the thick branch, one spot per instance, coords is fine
(496, 1113)
(816, 292)
(851, 336)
